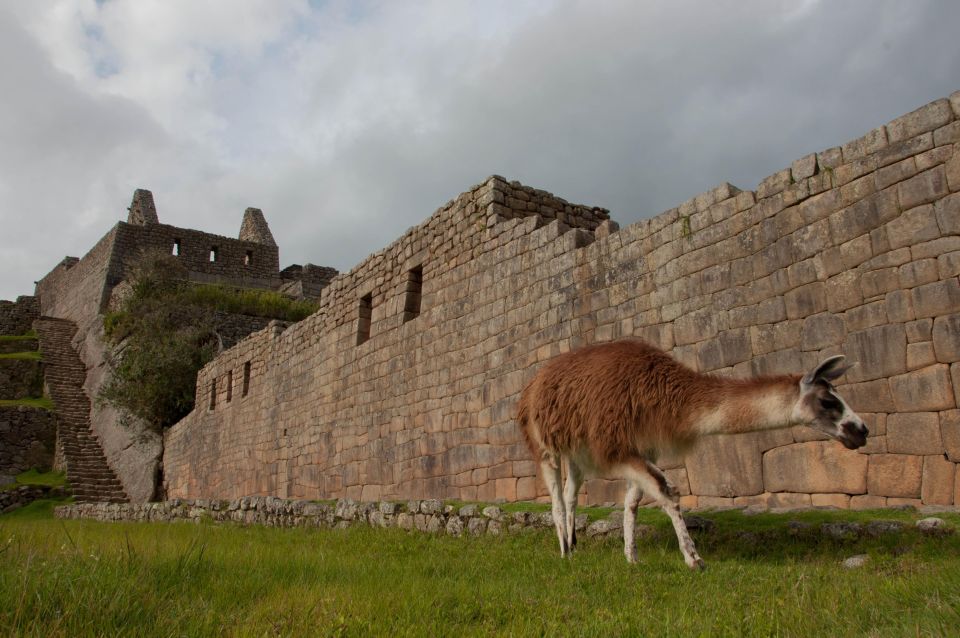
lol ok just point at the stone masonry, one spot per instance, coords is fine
(81, 290)
(404, 383)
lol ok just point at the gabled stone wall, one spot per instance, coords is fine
(852, 250)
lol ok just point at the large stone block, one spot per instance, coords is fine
(872, 396)
(938, 480)
(878, 352)
(896, 475)
(815, 466)
(725, 465)
(696, 326)
(728, 348)
(806, 300)
(950, 434)
(924, 188)
(947, 211)
(822, 330)
(946, 338)
(926, 118)
(914, 433)
(921, 390)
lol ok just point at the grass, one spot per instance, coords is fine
(78, 578)
(31, 402)
(30, 336)
(260, 303)
(50, 479)
(32, 355)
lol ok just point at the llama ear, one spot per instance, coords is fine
(829, 370)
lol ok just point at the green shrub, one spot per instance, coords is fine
(165, 331)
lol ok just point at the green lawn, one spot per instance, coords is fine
(77, 578)
(32, 402)
(30, 355)
(33, 477)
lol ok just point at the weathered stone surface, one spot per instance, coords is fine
(725, 465)
(821, 331)
(947, 211)
(879, 352)
(950, 434)
(939, 475)
(924, 119)
(938, 298)
(924, 188)
(816, 466)
(856, 561)
(867, 502)
(920, 355)
(896, 475)
(946, 338)
(914, 433)
(728, 348)
(838, 501)
(929, 388)
(872, 396)
(933, 526)
(806, 300)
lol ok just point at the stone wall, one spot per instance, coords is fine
(16, 317)
(404, 383)
(431, 515)
(81, 289)
(20, 378)
(27, 439)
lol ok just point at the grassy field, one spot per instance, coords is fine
(78, 578)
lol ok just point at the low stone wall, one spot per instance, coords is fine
(20, 378)
(430, 515)
(26, 494)
(27, 439)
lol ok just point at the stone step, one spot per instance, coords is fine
(89, 473)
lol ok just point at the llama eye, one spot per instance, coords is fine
(829, 404)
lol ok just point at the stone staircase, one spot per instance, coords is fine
(91, 478)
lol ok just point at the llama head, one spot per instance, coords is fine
(823, 409)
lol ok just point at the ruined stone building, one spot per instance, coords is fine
(403, 384)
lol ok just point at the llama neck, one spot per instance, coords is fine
(733, 406)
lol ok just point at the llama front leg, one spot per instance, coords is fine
(630, 503)
(571, 487)
(551, 476)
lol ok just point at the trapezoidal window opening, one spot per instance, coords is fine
(411, 302)
(229, 385)
(176, 247)
(213, 253)
(213, 394)
(248, 258)
(364, 314)
(246, 378)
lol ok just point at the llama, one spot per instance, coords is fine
(610, 410)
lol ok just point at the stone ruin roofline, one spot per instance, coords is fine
(495, 183)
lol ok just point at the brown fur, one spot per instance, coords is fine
(627, 399)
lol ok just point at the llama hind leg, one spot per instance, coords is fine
(571, 487)
(551, 476)
(654, 483)
(630, 502)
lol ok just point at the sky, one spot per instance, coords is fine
(348, 122)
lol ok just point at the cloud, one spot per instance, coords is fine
(348, 122)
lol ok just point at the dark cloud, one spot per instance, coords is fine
(347, 129)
